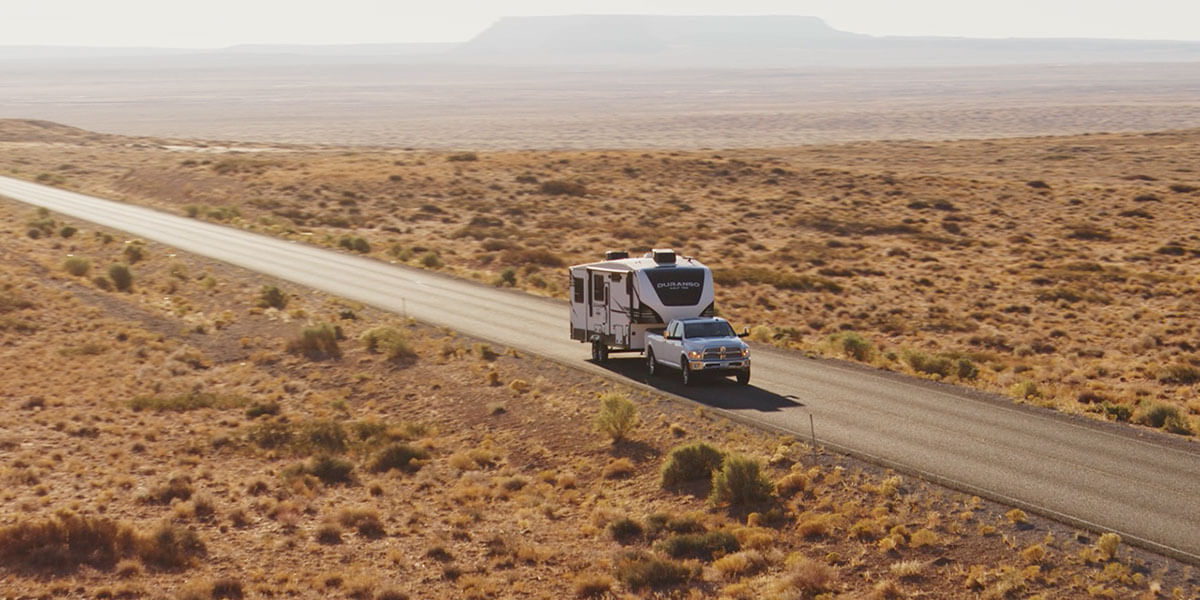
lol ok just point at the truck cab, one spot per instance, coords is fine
(699, 346)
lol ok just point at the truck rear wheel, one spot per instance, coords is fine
(651, 363)
(599, 351)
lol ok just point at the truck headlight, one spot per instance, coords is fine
(695, 354)
(745, 352)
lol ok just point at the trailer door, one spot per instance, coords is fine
(597, 302)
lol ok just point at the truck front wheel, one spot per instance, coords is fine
(685, 371)
(651, 363)
(744, 377)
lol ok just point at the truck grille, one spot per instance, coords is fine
(722, 353)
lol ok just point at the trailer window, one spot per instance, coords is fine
(577, 283)
(598, 288)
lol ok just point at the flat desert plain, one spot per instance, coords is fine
(507, 106)
(1061, 271)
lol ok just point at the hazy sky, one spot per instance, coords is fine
(219, 23)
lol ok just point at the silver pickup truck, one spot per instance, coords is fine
(699, 346)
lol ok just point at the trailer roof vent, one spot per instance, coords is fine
(615, 255)
(663, 256)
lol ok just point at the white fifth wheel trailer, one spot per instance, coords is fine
(616, 301)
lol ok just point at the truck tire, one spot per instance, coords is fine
(651, 363)
(685, 371)
(599, 351)
(744, 377)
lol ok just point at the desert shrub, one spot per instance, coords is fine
(389, 341)
(592, 585)
(66, 541)
(639, 569)
(1118, 412)
(323, 435)
(67, 231)
(328, 534)
(928, 364)
(1183, 188)
(690, 462)
(121, 277)
(740, 481)
(1025, 389)
(699, 545)
(178, 487)
(1107, 545)
(102, 282)
(965, 369)
(355, 244)
(431, 260)
(558, 187)
(272, 434)
(1165, 416)
(170, 547)
(316, 342)
(617, 416)
(508, 277)
(363, 520)
(805, 579)
(186, 402)
(259, 409)
(852, 345)
(272, 297)
(192, 210)
(77, 265)
(330, 469)
(134, 252)
(463, 157)
(625, 530)
(740, 564)
(1179, 375)
(398, 456)
(618, 468)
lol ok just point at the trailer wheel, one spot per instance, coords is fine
(651, 364)
(744, 377)
(685, 371)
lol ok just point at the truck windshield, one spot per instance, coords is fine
(710, 329)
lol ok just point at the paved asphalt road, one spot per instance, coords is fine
(1143, 485)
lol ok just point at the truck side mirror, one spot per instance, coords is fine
(745, 332)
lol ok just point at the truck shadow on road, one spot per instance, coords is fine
(723, 393)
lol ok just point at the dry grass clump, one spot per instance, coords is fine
(77, 265)
(399, 456)
(592, 585)
(690, 462)
(702, 546)
(739, 482)
(389, 341)
(616, 417)
(317, 342)
(638, 570)
(272, 297)
(121, 277)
